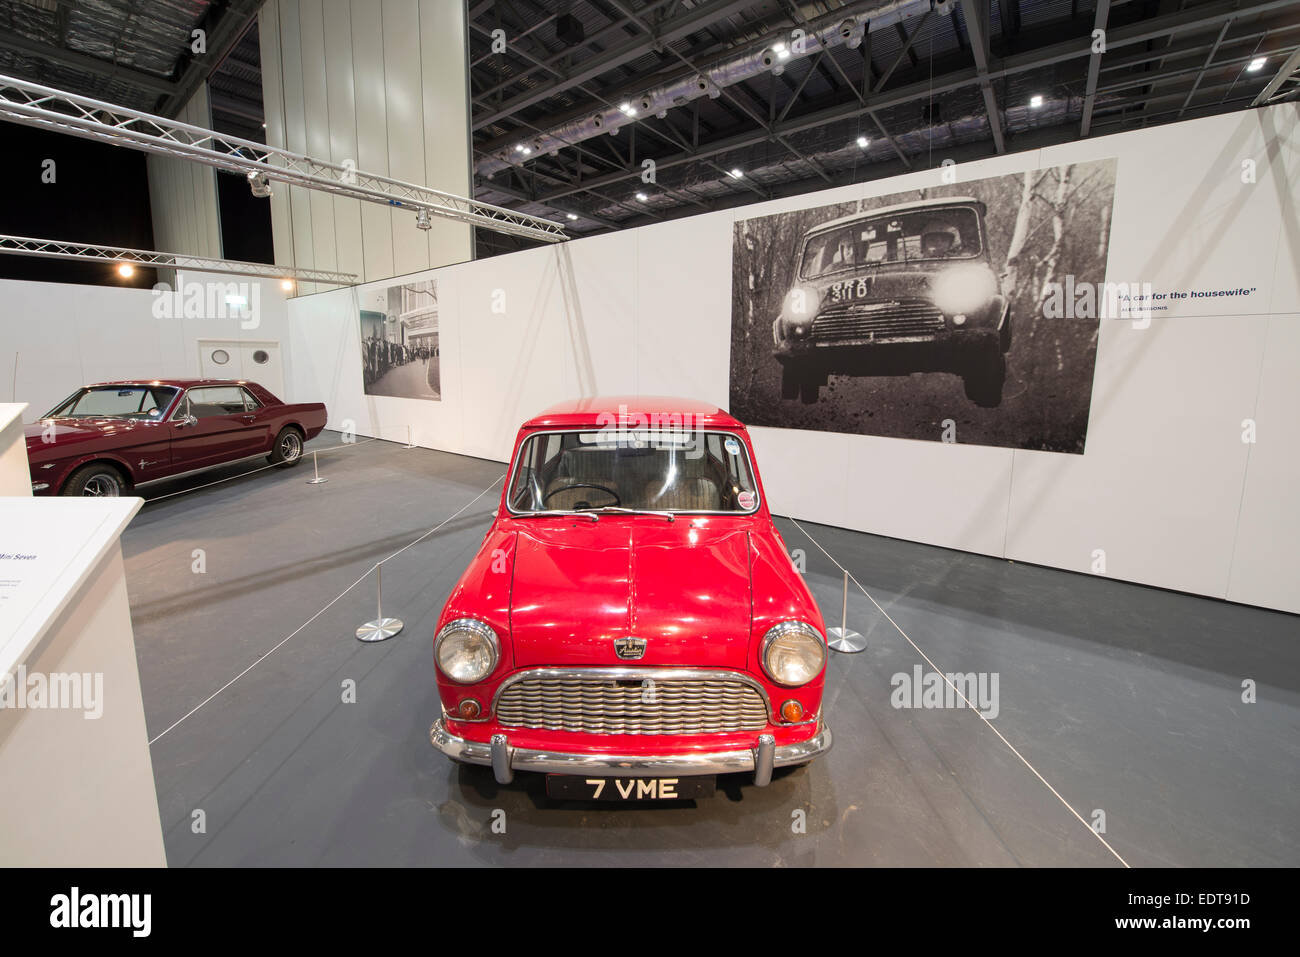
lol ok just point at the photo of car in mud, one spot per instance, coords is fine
(921, 315)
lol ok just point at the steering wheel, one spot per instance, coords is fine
(608, 491)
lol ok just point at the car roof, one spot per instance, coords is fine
(897, 208)
(633, 411)
(177, 383)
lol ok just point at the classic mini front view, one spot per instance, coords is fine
(632, 625)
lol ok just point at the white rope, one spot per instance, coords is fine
(327, 607)
(263, 468)
(943, 674)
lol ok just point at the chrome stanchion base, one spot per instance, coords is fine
(317, 480)
(381, 629)
(845, 640)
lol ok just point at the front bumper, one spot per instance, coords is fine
(506, 760)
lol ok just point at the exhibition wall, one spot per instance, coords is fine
(183, 194)
(1187, 476)
(58, 336)
(384, 86)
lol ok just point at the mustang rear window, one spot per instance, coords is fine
(652, 470)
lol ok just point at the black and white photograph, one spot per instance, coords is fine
(921, 315)
(399, 341)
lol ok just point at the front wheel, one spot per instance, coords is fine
(96, 480)
(985, 378)
(287, 449)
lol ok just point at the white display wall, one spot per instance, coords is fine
(1167, 491)
(56, 337)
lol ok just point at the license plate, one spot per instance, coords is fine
(848, 290)
(574, 788)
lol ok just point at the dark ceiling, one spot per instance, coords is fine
(930, 80)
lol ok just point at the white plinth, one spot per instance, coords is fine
(14, 477)
(76, 781)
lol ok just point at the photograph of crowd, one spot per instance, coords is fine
(399, 341)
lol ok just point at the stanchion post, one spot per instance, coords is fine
(316, 469)
(410, 443)
(842, 639)
(381, 629)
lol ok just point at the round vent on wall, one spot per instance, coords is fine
(261, 357)
(220, 356)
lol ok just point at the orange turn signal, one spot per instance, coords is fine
(792, 711)
(469, 708)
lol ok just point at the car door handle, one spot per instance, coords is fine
(248, 418)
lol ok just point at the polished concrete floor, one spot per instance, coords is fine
(1127, 701)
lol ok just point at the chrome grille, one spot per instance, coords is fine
(600, 704)
(888, 319)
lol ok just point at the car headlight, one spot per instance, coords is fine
(799, 306)
(466, 650)
(793, 653)
(964, 289)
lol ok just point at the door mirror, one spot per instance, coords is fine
(186, 420)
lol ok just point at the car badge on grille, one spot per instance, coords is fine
(629, 649)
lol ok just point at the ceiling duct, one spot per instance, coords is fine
(827, 33)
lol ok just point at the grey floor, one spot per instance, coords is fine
(1126, 700)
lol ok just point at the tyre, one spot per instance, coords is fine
(984, 380)
(286, 451)
(789, 382)
(97, 480)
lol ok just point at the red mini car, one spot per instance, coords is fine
(108, 437)
(632, 624)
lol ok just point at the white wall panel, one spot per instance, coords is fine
(183, 195)
(1166, 486)
(1159, 486)
(1266, 556)
(382, 84)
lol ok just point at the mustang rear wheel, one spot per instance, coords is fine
(98, 479)
(287, 449)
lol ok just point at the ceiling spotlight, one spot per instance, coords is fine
(628, 109)
(736, 173)
(863, 142)
(781, 52)
(286, 285)
(259, 184)
(422, 220)
(572, 215)
(642, 197)
(1035, 101)
(1257, 64)
(125, 270)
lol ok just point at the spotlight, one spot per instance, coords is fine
(628, 109)
(519, 147)
(125, 270)
(642, 197)
(571, 215)
(1257, 64)
(422, 220)
(736, 173)
(259, 184)
(863, 142)
(286, 285)
(781, 52)
(1035, 101)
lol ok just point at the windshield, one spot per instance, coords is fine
(115, 401)
(643, 470)
(926, 234)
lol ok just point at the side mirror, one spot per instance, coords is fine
(187, 420)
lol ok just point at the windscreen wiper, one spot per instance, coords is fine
(671, 516)
(553, 512)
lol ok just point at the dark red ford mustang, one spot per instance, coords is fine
(632, 623)
(108, 437)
